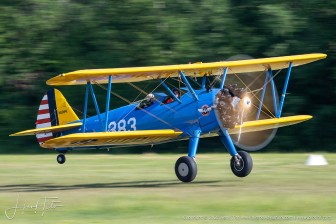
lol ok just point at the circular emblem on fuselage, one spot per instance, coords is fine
(205, 110)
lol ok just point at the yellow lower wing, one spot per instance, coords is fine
(260, 125)
(111, 138)
(53, 129)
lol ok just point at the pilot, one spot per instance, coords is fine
(148, 101)
(176, 92)
(171, 99)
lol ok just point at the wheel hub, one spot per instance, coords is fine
(183, 169)
(238, 163)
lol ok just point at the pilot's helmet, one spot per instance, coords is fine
(176, 91)
(150, 96)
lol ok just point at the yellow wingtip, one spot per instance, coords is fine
(47, 129)
(20, 133)
(260, 125)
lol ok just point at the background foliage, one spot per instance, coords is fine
(40, 39)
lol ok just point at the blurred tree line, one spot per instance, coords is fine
(40, 39)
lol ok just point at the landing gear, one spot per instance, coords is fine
(241, 164)
(185, 166)
(61, 158)
(186, 169)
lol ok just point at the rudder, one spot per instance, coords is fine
(54, 110)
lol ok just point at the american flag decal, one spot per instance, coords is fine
(43, 120)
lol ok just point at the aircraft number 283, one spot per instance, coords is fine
(123, 125)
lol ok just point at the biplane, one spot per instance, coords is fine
(209, 103)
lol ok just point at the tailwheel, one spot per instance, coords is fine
(241, 164)
(61, 158)
(186, 169)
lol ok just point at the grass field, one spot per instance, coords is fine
(144, 189)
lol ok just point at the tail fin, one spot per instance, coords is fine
(54, 110)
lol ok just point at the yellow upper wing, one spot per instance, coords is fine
(111, 138)
(136, 74)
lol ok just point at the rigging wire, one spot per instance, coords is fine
(142, 91)
(129, 102)
(258, 90)
(79, 111)
(253, 94)
(135, 99)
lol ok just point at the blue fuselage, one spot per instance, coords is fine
(187, 116)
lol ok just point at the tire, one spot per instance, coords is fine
(186, 169)
(245, 165)
(60, 158)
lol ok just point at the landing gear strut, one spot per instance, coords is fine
(185, 166)
(61, 158)
(241, 162)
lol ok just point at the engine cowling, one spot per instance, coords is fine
(230, 103)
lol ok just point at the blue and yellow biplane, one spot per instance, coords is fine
(229, 110)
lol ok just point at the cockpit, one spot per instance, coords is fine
(162, 98)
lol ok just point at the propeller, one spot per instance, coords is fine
(239, 101)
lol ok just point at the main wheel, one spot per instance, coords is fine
(185, 169)
(61, 158)
(241, 164)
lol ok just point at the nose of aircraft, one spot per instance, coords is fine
(229, 104)
(233, 106)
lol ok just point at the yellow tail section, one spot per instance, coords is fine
(65, 113)
(53, 116)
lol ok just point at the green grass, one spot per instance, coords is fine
(144, 189)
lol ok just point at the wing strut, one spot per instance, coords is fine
(204, 81)
(284, 90)
(89, 87)
(85, 106)
(270, 78)
(191, 90)
(263, 94)
(95, 103)
(170, 92)
(108, 95)
(223, 78)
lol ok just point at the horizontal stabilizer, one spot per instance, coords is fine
(52, 129)
(91, 139)
(260, 125)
